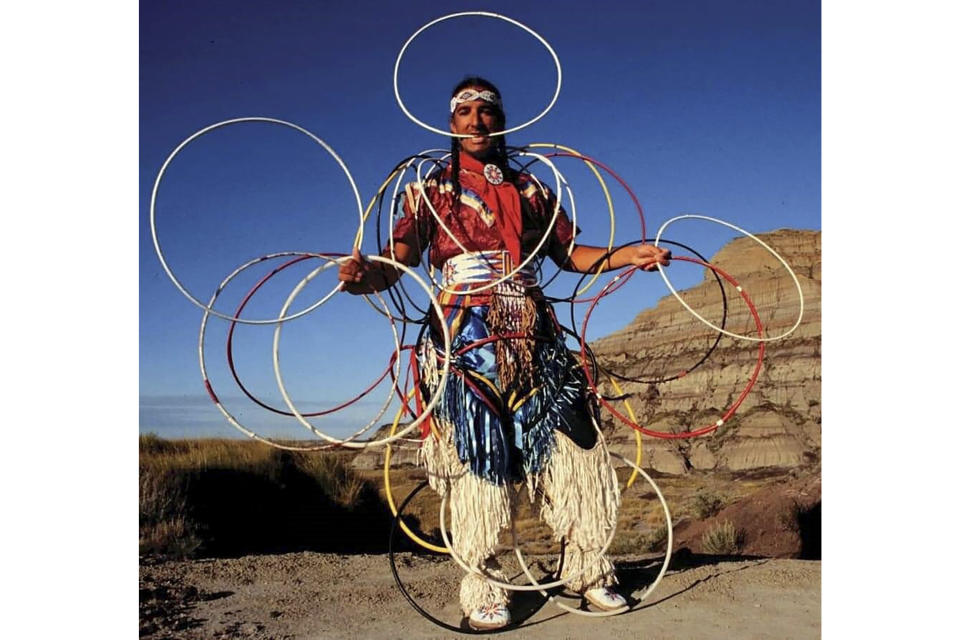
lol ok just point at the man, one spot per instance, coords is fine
(516, 405)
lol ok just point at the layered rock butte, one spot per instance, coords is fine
(778, 423)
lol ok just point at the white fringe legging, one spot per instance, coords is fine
(581, 498)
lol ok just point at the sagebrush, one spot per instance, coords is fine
(722, 539)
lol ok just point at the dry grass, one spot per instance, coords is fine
(158, 456)
(722, 539)
(212, 497)
(626, 543)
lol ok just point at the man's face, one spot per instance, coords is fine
(476, 117)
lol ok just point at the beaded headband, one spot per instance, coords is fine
(472, 94)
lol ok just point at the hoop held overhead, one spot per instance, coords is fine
(485, 14)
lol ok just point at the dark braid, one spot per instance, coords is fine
(455, 169)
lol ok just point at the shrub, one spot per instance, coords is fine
(655, 539)
(706, 504)
(722, 539)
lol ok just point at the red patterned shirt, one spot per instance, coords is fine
(473, 222)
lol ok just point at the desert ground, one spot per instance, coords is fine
(262, 571)
(310, 595)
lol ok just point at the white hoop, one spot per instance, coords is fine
(203, 366)
(606, 192)
(153, 221)
(400, 171)
(646, 592)
(490, 579)
(776, 255)
(443, 376)
(486, 14)
(396, 190)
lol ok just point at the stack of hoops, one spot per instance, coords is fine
(402, 311)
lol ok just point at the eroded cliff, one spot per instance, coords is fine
(778, 423)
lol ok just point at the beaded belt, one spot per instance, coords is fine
(480, 267)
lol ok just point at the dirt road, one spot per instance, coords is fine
(308, 595)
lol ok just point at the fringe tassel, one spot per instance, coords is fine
(429, 368)
(438, 456)
(581, 500)
(558, 406)
(476, 592)
(513, 311)
(479, 511)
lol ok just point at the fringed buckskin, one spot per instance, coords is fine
(513, 312)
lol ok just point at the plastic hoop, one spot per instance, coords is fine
(153, 219)
(591, 383)
(636, 434)
(761, 243)
(388, 489)
(573, 153)
(236, 376)
(396, 342)
(209, 387)
(443, 374)
(485, 14)
(624, 279)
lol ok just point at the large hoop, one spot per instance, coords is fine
(591, 164)
(761, 348)
(153, 217)
(443, 373)
(388, 490)
(233, 325)
(762, 244)
(201, 349)
(485, 14)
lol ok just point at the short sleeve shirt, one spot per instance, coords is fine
(471, 225)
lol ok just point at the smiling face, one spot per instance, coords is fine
(480, 118)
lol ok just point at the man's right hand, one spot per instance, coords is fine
(363, 276)
(353, 274)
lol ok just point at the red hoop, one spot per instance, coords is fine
(730, 411)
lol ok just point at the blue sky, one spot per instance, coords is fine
(703, 107)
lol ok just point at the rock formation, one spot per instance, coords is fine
(778, 423)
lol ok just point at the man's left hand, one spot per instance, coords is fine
(647, 256)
